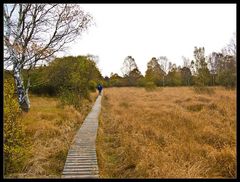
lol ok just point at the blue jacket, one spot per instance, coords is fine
(99, 87)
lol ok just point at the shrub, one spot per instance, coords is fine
(13, 135)
(39, 81)
(69, 97)
(74, 74)
(44, 90)
(150, 86)
(92, 85)
(141, 82)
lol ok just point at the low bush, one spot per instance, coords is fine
(13, 135)
(150, 86)
(92, 85)
(69, 97)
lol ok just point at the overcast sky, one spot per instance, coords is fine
(144, 31)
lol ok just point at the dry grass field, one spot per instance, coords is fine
(167, 133)
(50, 129)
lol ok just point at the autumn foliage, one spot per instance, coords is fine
(13, 135)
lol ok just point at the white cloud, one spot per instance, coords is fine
(147, 30)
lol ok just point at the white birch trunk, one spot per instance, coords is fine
(23, 98)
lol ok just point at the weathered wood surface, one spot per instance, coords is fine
(81, 160)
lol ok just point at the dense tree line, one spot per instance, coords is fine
(69, 78)
(217, 69)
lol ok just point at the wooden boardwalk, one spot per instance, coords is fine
(81, 160)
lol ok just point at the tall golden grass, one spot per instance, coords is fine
(50, 129)
(167, 133)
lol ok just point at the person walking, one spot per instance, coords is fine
(99, 87)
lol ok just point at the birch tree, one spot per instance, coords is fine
(129, 65)
(34, 33)
(231, 47)
(130, 71)
(163, 60)
(203, 73)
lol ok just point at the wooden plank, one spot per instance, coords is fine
(80, 172)
(81, 166)
(81, 161)
(82, 157)
(80, 176)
